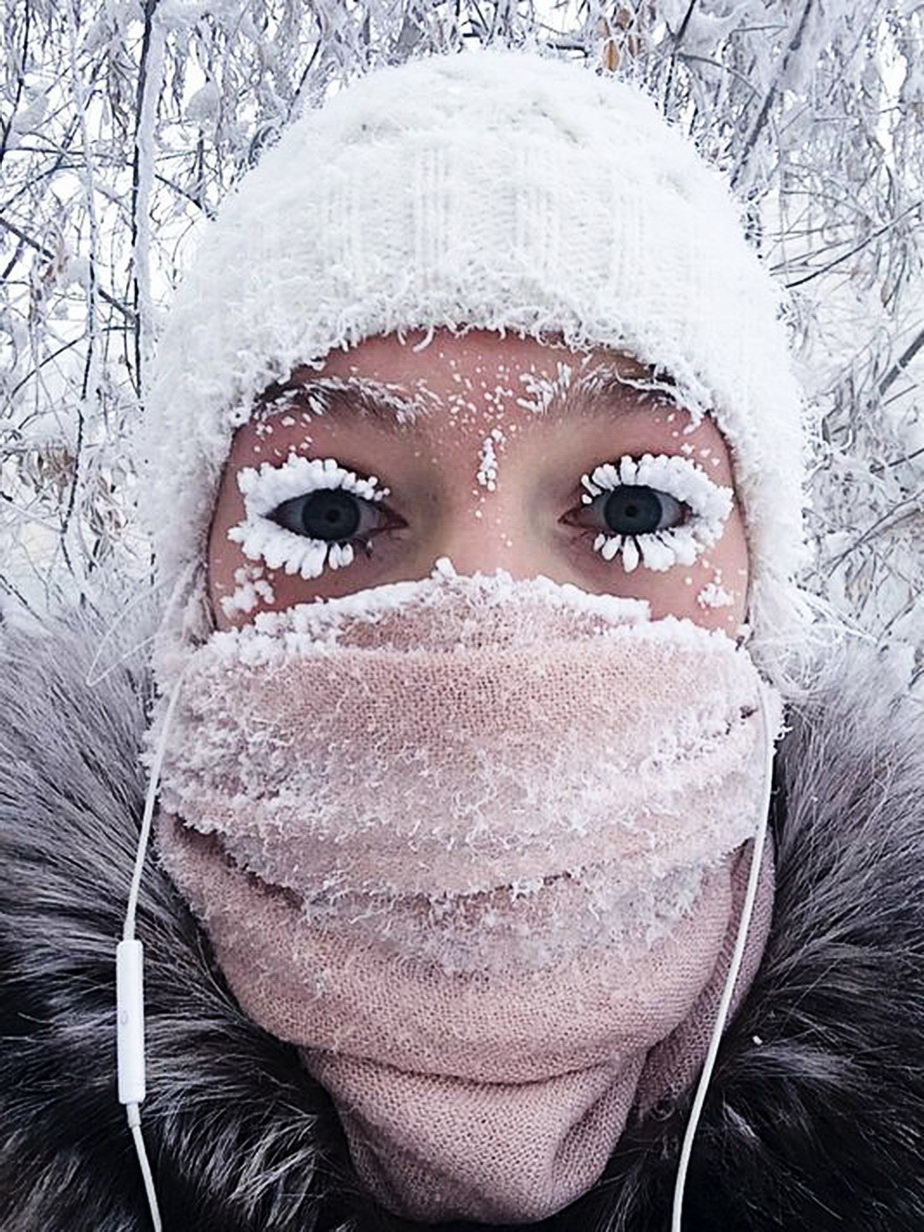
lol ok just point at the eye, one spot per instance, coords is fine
(659, 511)
(330, 514)
(637, 510)
(309, 514)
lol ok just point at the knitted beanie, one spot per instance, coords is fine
(490, 189)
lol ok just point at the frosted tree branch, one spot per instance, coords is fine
(900, 366)
(763, 115)
(852, 252)
(150, 81)
(116, 304)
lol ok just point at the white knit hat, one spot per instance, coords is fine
(492, 189)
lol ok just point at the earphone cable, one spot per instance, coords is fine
(731, 979)
(129, 979)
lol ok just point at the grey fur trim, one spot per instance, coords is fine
(815, 1116)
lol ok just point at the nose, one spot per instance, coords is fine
(493, 533)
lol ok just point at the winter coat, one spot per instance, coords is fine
(815, 1114)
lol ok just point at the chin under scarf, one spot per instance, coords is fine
(478, 848)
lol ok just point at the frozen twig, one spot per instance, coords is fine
(34, 244)
(898, 368)
(763, 114)
(150, 80)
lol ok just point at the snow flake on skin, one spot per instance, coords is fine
(497, 396)
(541, 391)
(488, 465)
(251, 586)
(714, 596)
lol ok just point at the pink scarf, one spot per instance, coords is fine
(479, 849)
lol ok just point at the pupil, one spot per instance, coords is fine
(331, 514)
(633, 511)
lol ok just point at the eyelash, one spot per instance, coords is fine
(685, 484)
(269, 490)
(273, 492)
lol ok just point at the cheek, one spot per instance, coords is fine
(238, 587)
(228, 569)
(711, 593)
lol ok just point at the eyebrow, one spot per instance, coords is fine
(605, 391)
(609, 387)
(386, 404)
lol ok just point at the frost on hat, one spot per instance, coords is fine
(498, 190)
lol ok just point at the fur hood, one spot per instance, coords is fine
(815, 1115)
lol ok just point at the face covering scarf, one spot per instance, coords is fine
(478, 847)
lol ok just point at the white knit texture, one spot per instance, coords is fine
(496, 190)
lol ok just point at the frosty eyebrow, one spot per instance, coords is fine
(605, 391)
(609, 388)
(386, 404)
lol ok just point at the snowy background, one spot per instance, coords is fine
(123, 124)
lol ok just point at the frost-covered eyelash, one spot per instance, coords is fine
(266, 488)
(709, 505)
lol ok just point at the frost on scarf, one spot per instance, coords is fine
(417, 757)
(396, 810)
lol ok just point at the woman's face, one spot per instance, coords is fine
(496, 452)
